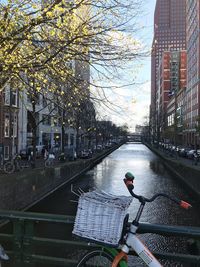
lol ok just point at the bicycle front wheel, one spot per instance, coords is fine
(9, 167)
(100, 258)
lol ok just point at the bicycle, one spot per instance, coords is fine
(110, 257)
(7, 167)
(13, 165)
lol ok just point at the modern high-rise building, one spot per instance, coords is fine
(192, 112)
(169, 35)
(172, 88)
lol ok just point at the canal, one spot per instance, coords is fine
(150, 177)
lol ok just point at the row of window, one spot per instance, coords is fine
(51, 121)
(10, 123)
(11, 99)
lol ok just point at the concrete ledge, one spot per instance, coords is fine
(22, 189)
(188, 175)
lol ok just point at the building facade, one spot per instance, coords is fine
(169, 35)
(15, 125)
(49, 124)
(192, 107)
(174, 106)
(9, 109)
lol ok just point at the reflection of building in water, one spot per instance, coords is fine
(134, 137)
(157, 167)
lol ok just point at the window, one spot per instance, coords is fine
(7, 125)
(46, 119)
(13, 99)
(14, 126)
(6, 152)
(7, 96)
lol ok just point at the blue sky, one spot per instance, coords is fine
(134, 100)
(147, 35)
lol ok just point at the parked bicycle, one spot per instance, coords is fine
(13, 165)
(97, 228)
(9, 166)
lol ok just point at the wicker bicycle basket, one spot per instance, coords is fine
(100, 217)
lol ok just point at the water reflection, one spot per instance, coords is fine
(150, 177)
(157, 167)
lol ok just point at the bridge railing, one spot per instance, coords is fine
(26, 248)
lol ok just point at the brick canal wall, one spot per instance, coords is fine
(23, 189)
(186, 174)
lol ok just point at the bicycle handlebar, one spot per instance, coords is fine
(143, 200)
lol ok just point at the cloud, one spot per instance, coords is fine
(126, 104)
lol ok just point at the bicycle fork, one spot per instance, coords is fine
(143, 252)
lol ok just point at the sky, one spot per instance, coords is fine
(132, 102)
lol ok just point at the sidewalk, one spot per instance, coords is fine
(39, 163)
(176, 157)
(182, 169)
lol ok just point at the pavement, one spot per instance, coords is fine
(174, 156)
(40, 162)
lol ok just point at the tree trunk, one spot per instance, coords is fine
(33, 158)
(63, 139)
(34, 129)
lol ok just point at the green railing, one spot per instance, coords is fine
(25, 247)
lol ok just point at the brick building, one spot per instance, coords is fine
(8, 122)
(169, 35)
(176, 67)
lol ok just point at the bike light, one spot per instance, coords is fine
(185, 205)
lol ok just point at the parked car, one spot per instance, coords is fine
(108, 145)
(191, 153)
(183, 151)
(178, 149)
(99, 148)
(86, 154)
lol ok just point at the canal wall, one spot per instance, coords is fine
(187, 174)
(23, 189)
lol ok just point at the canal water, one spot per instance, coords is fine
(150, 177)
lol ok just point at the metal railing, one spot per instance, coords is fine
(25, 248)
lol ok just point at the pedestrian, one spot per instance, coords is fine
(31, 160)
(45, 153)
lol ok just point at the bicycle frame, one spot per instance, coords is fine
(133, 241)
(138, 246)
(114, 252)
